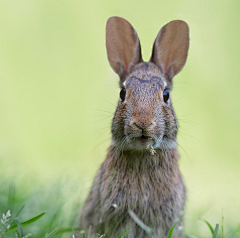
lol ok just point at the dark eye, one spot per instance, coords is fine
(123, 94)
(165, 95)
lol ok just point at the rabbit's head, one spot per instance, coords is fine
(144, 116)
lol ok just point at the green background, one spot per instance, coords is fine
(58, 94)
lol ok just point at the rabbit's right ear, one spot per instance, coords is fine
(123, 46)
(170, 48)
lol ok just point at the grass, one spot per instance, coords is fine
(39, 211)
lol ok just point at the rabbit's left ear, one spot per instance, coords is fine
(123, 46)
(170, 48)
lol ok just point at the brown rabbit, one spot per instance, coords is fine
(141, 174)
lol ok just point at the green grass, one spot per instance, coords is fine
(37, 210)
(47, 211)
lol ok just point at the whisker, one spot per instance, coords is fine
(181, 83)
(102, 134)
(103, 119)
(101, 116)
(99, 144)
(189, 122)
(190, 136)
(190, 114)
(184, 152)
(178, 100)
(94, 132)
(182, 136)
(123, 145)
(102, 110)
(103, 128)
(109, 103)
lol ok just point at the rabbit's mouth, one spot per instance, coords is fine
(145, 139)
(139, 143)
(142, 142)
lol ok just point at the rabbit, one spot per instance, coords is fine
(140, 177)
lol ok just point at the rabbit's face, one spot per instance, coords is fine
(144, 116)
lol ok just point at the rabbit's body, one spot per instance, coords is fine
(150, 186)
(141, 174)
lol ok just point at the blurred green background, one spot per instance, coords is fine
(58, 94)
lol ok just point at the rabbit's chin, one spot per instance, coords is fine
(141, 143)
(145, 143)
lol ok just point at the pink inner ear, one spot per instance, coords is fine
(123, 68)
(167, 60)
(171, 47)
(128, 60)
(168, 67)
(123, 47)
(125, 65)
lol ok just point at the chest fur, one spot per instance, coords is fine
(155, 192)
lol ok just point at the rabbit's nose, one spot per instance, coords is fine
(142, 118)
(142, 124)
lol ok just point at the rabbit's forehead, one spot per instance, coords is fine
(145, 76)
(145, 82)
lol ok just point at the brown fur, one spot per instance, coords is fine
(134, 178)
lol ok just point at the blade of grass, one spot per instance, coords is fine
(11, 196)
(215, 231)
(19, 226)
(172, 228)
(20, 210)
(222, 223)
(55, 215)
(28, 221)
(52, 233)
(208, 224)
(123, 234)
(63, 230)
(139, 222)
(89, 231)
(100, 236)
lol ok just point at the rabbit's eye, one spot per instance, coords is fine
(123, 94)
(165, 95)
